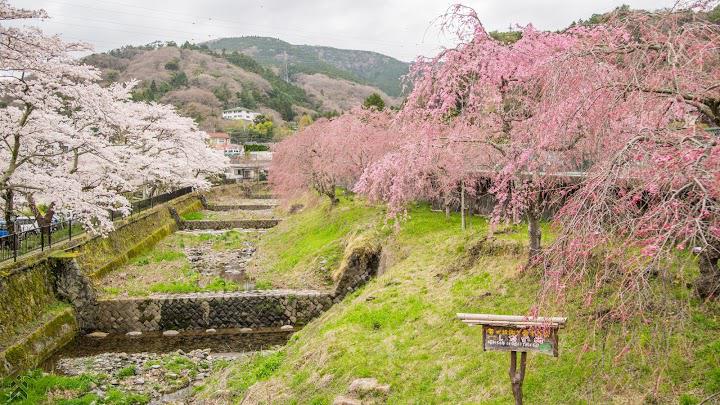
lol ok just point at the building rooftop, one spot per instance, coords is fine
(218, 135)
(236, 109)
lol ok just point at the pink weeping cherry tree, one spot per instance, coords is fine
(653, 198)
(331, 153)
(488, 109)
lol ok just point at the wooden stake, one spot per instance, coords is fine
(516, 378)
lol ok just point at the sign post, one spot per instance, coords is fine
(514, 333)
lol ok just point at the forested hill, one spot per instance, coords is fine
(363, 67)
(202, 82)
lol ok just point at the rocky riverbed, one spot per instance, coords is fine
(155, 375)
(228, 264)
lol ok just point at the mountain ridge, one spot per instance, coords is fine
(360, 66)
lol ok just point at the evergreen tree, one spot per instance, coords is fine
(374, 101)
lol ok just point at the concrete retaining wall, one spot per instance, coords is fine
(238, 223)
(133, 236)
(32, 288)
(253, 309)
(30, 351)
(247, 207)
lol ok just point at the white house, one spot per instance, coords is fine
(239, 113)
(249, 166)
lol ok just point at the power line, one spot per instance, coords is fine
(229, 24)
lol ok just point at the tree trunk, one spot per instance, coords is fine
(708, 284)
(535, 234)
(44, 221)
(8, 199)
(333, 197)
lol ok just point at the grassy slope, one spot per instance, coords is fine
(303, 250)
(401, 330)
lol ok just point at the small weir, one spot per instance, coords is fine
(165, 368)
(139, 343)
(164, 344)
(217, 341)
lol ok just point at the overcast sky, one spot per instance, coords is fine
(399, 28)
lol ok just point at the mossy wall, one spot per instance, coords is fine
(132, 237)
(31, 351)
(25, 293)
(30, 328)
(239, 190)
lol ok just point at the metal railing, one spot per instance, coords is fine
(41, 238)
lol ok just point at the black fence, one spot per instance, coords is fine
(41, 238)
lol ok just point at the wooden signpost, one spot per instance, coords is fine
(513, 333)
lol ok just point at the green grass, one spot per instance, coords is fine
(259, 367)
(193, 216)
(178, 364)
(190, 284)
(35, 387)
(401, 328)
(128, 371)
(157, 256)
(294, 252)
(172, 273)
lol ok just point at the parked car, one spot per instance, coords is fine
(27, 225)
(5, 239)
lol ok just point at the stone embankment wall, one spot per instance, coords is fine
(360, 263)
(34, 321)
(230, 224)
(134, 236)
(252, 309)
(32, 289)
(234, 207)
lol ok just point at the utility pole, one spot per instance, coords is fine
(462, 205)
(287, 73)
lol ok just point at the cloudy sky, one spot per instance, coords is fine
(399, 28)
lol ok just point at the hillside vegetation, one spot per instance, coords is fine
(201, 82)
(363, 67)
(401, 329)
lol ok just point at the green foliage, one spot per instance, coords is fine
(376, 69)
(178, 80)
(260, 368)
(251, 147)
(282, 95)
(305, 121)
(193, 216)
(506, 37)
(77, 390)
(173, 65)
(247, 98)
(128, 371)
(262, 129)
(714, 14)
(601, 18)
(326, 114)
(374, 101)
(223, 94)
